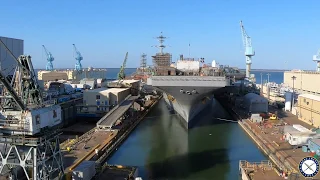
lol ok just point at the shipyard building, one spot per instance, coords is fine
(7, 63)
(303, 80)
(307, 107)
(72, 75)
(97, 102)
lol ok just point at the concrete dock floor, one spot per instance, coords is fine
(84, 147)
(271, 138)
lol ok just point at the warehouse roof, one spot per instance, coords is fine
(117, 89)
(310, 96)
(96, 90)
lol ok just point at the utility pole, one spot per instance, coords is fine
(293, 96)
(268, 77)
(189, 49)
(261, 89)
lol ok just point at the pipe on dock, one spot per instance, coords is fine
(83, 158)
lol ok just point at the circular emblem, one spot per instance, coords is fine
(309, 167)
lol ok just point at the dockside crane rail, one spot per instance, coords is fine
(316, 58)
(249, 51)
(79, 58)
(50, 59)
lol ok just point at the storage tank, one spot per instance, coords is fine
(288, 101)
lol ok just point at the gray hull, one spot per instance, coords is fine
(188, 95)
(188, 106)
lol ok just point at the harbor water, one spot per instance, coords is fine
(163, 149)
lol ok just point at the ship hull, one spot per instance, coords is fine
(188, 106)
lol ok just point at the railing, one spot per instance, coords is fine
(256, 165)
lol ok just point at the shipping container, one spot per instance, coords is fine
(84, 171)
(256, 118)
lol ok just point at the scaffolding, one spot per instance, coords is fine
(161, 59)
(143, 62)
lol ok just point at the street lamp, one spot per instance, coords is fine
(293, 96)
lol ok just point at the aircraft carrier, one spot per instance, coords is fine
(189, 85)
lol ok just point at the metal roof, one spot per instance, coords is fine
(310, 96)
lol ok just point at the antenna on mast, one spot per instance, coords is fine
(161, 46)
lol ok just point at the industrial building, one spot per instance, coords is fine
(308, 109)
(7, 63)
(100, 100)
(72, 74)
(303, 81)
(134, 85)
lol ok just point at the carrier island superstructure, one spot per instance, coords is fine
(187, 86)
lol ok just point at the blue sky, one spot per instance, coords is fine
(104, 30)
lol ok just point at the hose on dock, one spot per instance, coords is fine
(228, 120)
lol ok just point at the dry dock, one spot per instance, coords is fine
(269, 139)
(97, 144)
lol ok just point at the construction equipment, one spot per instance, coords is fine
(316, 58)
(121, 74)
(249, 51)
(79, 58)
(273, 116)
(50, 58)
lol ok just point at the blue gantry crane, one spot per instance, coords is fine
(249, 51)
(316, 58)
(79, 58)
(50, 58)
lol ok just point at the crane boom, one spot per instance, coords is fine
(50, 58)
(316, 58)
(249, 51)
(121, 74)
(79, 58)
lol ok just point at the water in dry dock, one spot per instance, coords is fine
(162, 149)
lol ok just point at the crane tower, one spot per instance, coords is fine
(249, 51)
(316, 58)
(50, 58)
(79, 58)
